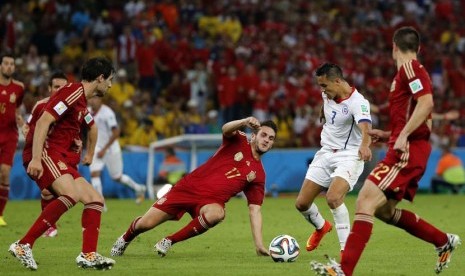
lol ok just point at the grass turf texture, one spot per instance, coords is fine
(228, 248)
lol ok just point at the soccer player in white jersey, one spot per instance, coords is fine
(337, 166)
(108, 150)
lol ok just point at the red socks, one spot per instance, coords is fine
(91, 217)
(131, 233)
(196, 227)
(47, 218)
(4, 192)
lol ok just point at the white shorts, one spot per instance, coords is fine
(328, 164)
(113, 161)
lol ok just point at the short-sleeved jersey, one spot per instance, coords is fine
(37, 111)
(69, 107)
(411, 82)
(106, 120)
(230, 170)
(340, 130)
(11, 97)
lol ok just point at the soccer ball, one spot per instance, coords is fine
(284, 248)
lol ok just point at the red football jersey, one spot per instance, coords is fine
(11, 97)
(230, 170)
(69, 107)
(411, 82)
(73, 157)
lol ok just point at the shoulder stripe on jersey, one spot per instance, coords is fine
(74, 96)
(350, 132)
(409, 70)
(18, 83)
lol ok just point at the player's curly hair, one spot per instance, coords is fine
(270, 124)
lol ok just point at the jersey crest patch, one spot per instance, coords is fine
(62, 166)
(415, 86)
(238, 156)
(345, 110)
(88, 118)
(251, 176)
(60, 108)
(13, 98)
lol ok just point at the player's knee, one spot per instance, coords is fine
(334, 200)
(302, 206)
(215, 216)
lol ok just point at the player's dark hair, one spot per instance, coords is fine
(407, 39)
(95, 67)
(271, 125)
(6, 55)
(330, 70)
(57, 75)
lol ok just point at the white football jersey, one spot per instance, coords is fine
(340, 130)
(105, 120)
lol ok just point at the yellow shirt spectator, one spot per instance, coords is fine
(144, 135)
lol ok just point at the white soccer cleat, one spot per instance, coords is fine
(94, 260)
(23, 253)
(51, 232)
(332, 268)
(140, 193)
(162, 247)
(119, 247)
(445, 252)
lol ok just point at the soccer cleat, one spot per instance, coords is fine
(119, 247)
(94, 260)
(23, 253)
(51, 232)
(314, 240)
(330, 269)
(2, 221)
(163, 246)
(445, 252)
(140, 193)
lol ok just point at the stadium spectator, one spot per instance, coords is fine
(11, 97)
(339, 163)
(172, 169)
(450, 173)
(235, 167)
(50, 169)
(143, 135)
(396, 176)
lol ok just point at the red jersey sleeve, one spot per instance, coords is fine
(417, 79)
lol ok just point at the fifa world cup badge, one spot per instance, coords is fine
(13, 98)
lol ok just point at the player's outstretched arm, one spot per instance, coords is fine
(378, 135)
(255, 215)
(231, 127)
(91, 142)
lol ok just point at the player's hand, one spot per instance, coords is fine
(77, 147)
(364, 153)
(401, 143)
(253, 123)
(451, 115)
(262, 251)
(25, 130)
(378, 136)
(87, 159)
(35, 169)
(101, 154)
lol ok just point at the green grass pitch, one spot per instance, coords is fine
(228, 248)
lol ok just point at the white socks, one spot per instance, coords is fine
(97, 184)
(342, 221)
(313, 216)
(127, 180)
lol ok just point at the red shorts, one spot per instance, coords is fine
(397, 175)
(179, 200)
(55, 165)
(8, 149)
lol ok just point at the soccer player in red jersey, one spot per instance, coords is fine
(48, 164)
(396, 176)
(235, 167)
(11, 97)
(57, 80)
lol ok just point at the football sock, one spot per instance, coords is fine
(356, 242)
(418, 227)
(313, 216)
(97, 184)
(47, 218)
(132, 232)
(196, 227)
(342, 221)
(4, 191)
(127, 180)
(90, 221)
(44, 202)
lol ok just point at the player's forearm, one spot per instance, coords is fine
(19, 118)
(366, 138)
(420, 114)
(40, 134)
(256, 224)
(92, 136)
(230, 127)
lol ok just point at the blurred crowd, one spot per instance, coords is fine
(187, 66)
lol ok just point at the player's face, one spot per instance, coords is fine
(7, 67)
(329, 87)
(103, 85)
(56, 84)
(263, 140)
